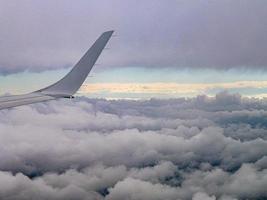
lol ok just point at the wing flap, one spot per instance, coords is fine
(19, 100)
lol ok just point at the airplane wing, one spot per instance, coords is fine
(19, 100)
(68, 85)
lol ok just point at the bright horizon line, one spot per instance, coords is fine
(172, 89)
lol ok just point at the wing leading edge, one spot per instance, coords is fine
(68, 85)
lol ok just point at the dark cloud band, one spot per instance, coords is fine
(38, 35)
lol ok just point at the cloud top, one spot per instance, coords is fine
(199, 148)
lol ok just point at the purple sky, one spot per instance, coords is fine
(184, 148)
(39, 35)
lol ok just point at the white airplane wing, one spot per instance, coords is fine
(68, 85)
(19, 100)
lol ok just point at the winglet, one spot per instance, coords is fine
(71, 83)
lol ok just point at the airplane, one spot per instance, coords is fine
(68, 85)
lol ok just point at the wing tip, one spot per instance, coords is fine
(108, 32)
(72, 81)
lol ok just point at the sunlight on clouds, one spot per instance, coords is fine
(186, 89)
(151, 88)
(258, 96)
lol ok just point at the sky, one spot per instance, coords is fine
(175, 109)
(164, 42)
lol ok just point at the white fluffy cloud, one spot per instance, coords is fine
(200, 148)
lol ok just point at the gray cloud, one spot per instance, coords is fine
(38, 35)
(153, 149)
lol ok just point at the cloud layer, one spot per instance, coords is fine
(39, 35)
(170, 89)
(200, 148)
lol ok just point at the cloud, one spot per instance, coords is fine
(38, 35)
(203, 196)
(21, 187)
(212, 148)
(136, 189)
